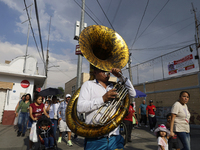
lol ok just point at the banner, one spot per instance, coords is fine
(182, 64)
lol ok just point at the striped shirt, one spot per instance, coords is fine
(61, 110)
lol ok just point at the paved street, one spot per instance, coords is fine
(142, 139)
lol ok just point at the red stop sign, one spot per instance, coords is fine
(25, 83)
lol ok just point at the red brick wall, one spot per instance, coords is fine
(8, 117)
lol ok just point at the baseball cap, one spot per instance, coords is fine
(68, 95)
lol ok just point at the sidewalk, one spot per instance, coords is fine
(142, 139)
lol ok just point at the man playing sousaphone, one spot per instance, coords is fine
(93, 95)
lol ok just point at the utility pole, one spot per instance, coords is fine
(79, 65)
(197, 34)
(47, 57)
(46, 68)
(130, 73)
(27, 39)
(129, 68)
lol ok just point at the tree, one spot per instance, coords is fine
(63, 91)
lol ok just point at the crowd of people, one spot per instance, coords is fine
(176, 127)
(93, 95)
(28, 113)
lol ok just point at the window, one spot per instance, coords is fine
(73, 89)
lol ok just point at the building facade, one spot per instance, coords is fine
(16, 79)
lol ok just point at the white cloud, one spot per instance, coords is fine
(56, 76)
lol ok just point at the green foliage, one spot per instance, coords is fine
(63, 91)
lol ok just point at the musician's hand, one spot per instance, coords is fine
(115, 72)
(109, 95)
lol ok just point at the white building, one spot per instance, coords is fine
(17, 79)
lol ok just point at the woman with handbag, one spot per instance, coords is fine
(36, 110)
(53, 113)
(16, 118)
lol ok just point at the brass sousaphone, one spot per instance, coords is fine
(105, 49)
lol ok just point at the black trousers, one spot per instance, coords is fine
(129, 126)
(143, 119)
(152, 122)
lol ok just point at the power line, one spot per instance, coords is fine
(168, 26)
(164, 54)
(93, 14)
(117, 11)
(105, 15)
(164, 47)
(140, 22)
(33, 31)
(86, 12)
(172, 34)
(153, 19)
(61, 71)
(49, 33)
(38, 22)
(108, 9)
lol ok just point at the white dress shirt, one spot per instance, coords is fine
(91, 99)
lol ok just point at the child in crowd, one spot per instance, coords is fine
(45, 133)
(162, 134)
(173, 141)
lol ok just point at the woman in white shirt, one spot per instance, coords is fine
(180, 120)
(53, 114)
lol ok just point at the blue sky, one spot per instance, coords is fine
(174, 26)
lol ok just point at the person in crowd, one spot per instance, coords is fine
(45, 134)
(23, 116)
(53, 113)
(93, 95)
(142, 112)
(62, 121)
(150, 113)
(16, 118)
(128, 121)
(47, 103)
(36, 110)
(173, 141)
(162, 134)
(180, 117)
(22, 99)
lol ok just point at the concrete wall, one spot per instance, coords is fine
(14, 95)
(165, 93)
(13, 73)
(17, 65)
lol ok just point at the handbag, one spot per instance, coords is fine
(16, 118)
(33, 134)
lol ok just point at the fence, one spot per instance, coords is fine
(179, 62)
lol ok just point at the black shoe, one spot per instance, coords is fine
(23, 134)
(18, 133)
